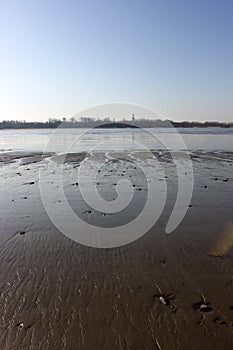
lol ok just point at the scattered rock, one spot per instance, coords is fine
(22, 232)
(20, 325)
(221, 322)
(87, 212)
(224, 323)
(165, 299)
(205, 308)
(202, 307)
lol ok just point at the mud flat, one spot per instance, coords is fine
(163, 291)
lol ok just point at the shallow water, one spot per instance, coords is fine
(76, 140)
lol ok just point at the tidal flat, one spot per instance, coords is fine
(162, 291)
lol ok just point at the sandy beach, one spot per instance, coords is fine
(163, 291)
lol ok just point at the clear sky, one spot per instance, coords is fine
(58, 57)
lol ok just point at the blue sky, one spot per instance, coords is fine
(59, 57)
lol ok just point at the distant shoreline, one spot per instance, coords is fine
(108, 124)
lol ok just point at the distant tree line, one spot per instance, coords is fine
(89, 122)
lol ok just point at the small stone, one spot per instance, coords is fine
(224, 323)
(21, 325)
(221, 322)
(164, 301)
(205, 308)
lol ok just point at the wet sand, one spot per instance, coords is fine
(164, 291)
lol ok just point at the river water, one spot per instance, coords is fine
(77, 140)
